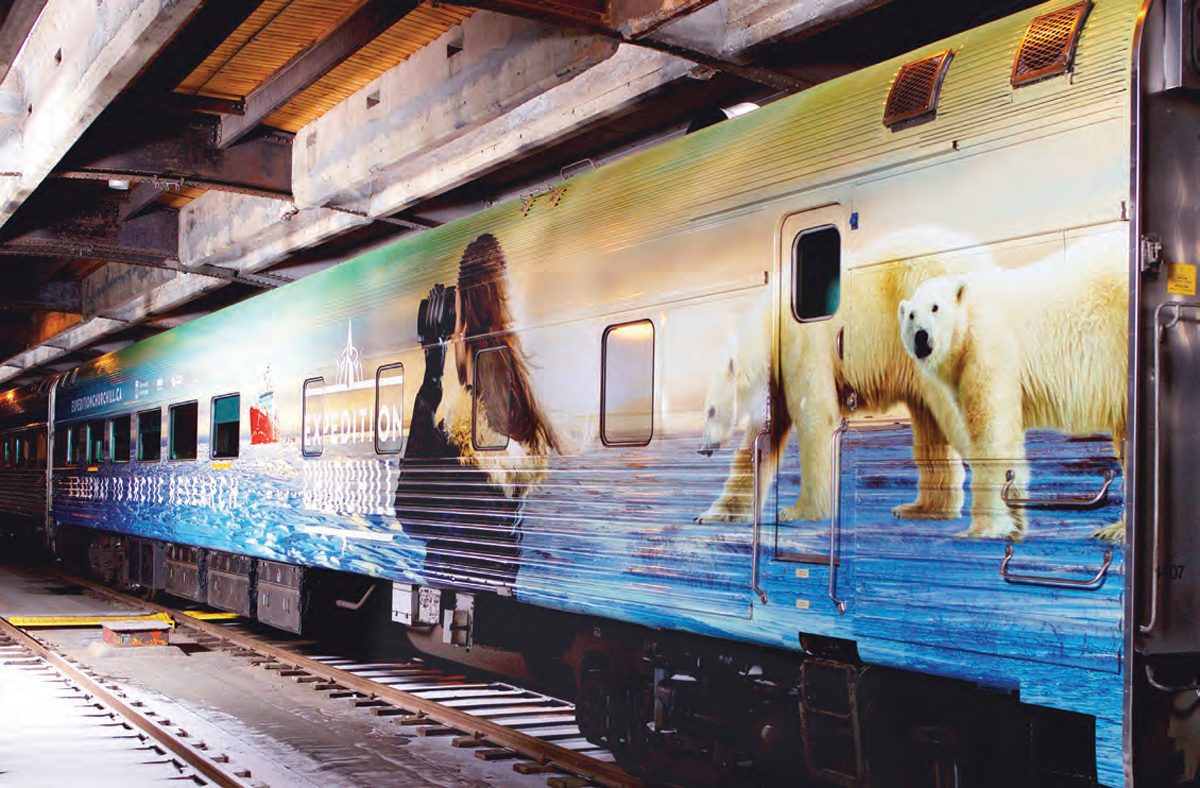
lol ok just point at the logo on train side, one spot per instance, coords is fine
(341, 412)
(109, 397)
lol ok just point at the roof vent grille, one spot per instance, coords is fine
(914, 94)
(1048, 46)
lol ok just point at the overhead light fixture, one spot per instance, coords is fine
(120, 184)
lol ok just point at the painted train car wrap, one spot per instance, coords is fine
(799, 373)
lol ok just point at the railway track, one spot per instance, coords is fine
(499, 721)
(81, 729)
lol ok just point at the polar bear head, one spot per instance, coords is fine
(721, 407)
(932, 321)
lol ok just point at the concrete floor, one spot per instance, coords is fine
(286, 733)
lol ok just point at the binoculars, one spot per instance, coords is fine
(435, 315)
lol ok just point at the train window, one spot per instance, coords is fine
(77, 444)
(19, 451)
(62, 440)
(118, 438)
(39, 454)
(149, 439)
(183, 425)
(7, 451)
(627, 384)
(312, 408)
(389, 409)
(226, 425)
(492, 399)
(816, 273)
(95, 442)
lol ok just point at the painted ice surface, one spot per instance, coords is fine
(915, 593)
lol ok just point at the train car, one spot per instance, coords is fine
(848, 438)
(24, 414)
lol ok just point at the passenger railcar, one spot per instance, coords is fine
(23, 458)
(849, 438)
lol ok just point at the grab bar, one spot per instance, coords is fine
(835, 513)
(1160, 337)
(1093, 502)
(1090, 584)
(757, 519)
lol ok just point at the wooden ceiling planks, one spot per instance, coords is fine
(279, 30)
(403, 39)
(274, 34)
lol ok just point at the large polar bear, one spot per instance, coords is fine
(857, 351)
(1044, 346)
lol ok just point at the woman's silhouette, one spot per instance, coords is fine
(464, 477)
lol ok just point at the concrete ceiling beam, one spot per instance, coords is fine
(354, 33)
(490, 90)
(77, 59)
(728, 29)
(496, 64)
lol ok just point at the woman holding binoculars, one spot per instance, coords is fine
(465, 475)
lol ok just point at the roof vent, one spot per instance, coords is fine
(1048, 46)
(914, 94)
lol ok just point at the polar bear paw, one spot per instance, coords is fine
(803, 512)
(923, 510)
(1111, 534)
(721, 514)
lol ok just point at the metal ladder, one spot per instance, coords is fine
(829, 721)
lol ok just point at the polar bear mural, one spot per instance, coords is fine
(857, 351)
(1042, 346)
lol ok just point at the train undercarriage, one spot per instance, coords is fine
(674, 708)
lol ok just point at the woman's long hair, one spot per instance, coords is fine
(483, 296)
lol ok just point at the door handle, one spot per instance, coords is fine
(1160, 337)
(1088, 502)
(1089, 584)
(835, 513)
(756, 462)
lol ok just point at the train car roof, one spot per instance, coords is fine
(827, 134)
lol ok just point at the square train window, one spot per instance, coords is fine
(816, 273)
(226, 426)
(627, 384)
(184, 423)
(312, 412)
(149, 435)
(389, 409)
(492, 399)
(118, 438)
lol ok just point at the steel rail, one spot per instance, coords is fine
(522, 743)
(203, 765)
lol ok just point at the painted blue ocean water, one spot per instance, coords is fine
(611, 532)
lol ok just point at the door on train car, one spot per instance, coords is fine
(1168, 364)
(805, 407)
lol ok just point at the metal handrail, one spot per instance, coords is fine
(1091, 502)
(835, 512)
(1160, 336)
(1089, 584)
(757, 519)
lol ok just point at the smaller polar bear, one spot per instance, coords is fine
(737, 386)
(736, 394)
(1043, 346)
(854, 356)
